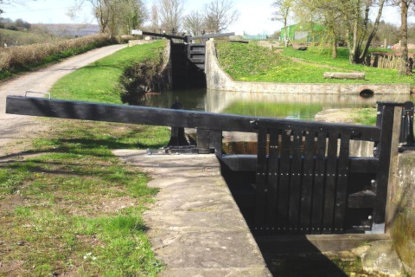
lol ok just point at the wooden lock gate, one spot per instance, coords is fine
(306, 180)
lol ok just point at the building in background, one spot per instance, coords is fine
(302, 32)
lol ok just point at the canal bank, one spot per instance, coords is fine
(218, 79)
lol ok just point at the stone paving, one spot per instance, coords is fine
(195, 226)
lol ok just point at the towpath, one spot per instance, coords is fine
(24, 128)
(195, 226)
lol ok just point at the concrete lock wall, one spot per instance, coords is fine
(217, 79)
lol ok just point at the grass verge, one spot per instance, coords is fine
(250, 62)
(18, 59)
(72, 207)
(99, 81)
(68, 206)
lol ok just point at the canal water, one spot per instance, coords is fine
(264, 104)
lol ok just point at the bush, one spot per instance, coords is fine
(23, 58)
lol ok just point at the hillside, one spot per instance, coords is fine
(68, 30)
(12, 38)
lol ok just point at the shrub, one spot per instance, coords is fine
(22, 58)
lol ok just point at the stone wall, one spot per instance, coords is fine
(402, 196)
(217, 79)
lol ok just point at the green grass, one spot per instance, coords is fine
(249, 62)
(99, 81)
(292, 110)
(365, 116)
(72, 207)
(54, 217)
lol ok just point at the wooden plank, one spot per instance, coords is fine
(208, 36)
(330, 188)
(167, 117)
(216, 141)
(342, 181)
(384, 154)
(358, 132)
(295, 182)
(240, 162)
(261, 181)
(162, 35)
(283, 190)
(203, 141)
(307, 182)
(319, 184)
(273, 166)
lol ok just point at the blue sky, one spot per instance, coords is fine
(255, 15)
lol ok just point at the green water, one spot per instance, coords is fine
(264, 104)
(283, 110)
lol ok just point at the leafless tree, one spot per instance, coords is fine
(193, 23)
(114, 16)
(219, 15)
(155, 21)
(170, 12)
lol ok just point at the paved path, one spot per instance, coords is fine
(195, 226)
(14, 127)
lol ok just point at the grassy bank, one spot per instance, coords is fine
(99, 81)
(250, 62)
(19, 59)
(72, 207)
(68, 205)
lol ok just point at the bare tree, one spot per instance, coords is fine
(170, 12)
(193, 23)
(283, 10)
(219, 15)
(155, 21)
(114, 16)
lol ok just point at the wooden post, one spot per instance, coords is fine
(208, 140)
(385, 151)
(393, 181)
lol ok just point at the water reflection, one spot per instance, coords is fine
(287, 105)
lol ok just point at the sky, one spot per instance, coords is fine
(254, 15)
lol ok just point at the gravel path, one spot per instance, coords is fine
(23, 128)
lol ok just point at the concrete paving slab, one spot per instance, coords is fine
(195, 226)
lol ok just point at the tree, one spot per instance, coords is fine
(327, 14)
(404, 69)
(360, 39)
(130, 14)
(282, 13)
(170, 12)
(114, 16)
(193, 23)
(155, 21)
(351, 18)
(219, 15)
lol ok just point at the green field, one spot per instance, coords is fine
(250, 62)
(99, 81)
(71, 207)
(23, 38)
